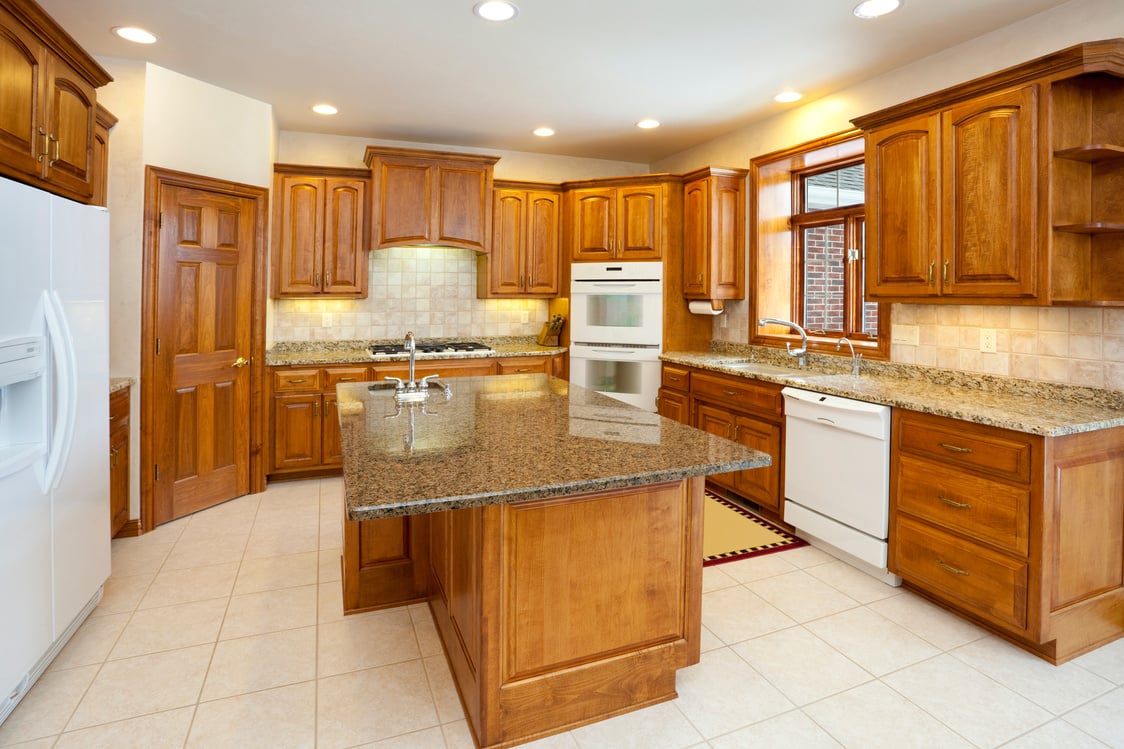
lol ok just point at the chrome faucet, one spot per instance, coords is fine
(405, 392)
(799, 353)
(411, 349)
(856, 359)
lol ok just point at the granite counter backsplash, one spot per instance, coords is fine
(355, 352)
(1028, 406)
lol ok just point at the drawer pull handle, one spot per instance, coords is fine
(954, 503)
(523, 369)
(955, 448)
(729, 392)
(950, 568)
(345, 379)
(673, 379)
(297, 381)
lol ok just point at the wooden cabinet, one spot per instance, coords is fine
(619, 219)
(103, 123)
(47, 120)
(319, 232)
(674, 398)
(118, 460)
(524, 365)
(1021, 533)
(1002, 190)
(430, 198)
(526, 235)
(305, 432)
(714, 234)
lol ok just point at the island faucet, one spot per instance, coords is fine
(411, 390)
(411, 349)
(856, 359)
(799, 353)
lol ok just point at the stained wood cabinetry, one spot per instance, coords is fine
(305, 432)
(674, 398)
(319, 232)
(47, 86)
(1000, 190)
(620, 219)
(1019, 532)
(526, 236)
(118, 460)
(430, 198)
(714, 234)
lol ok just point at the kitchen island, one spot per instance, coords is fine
(556, 533)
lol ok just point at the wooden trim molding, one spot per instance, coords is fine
(130, 529)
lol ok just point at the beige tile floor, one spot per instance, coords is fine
(225, 630)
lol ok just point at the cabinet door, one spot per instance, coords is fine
(902, 209)
(345, 250)
(989, 195)
(696, 239)
(503, 265)
(118, 460)
(403, 202)
(673, 405)
(70, 112)
(542, 243)
(716, 420)
(296, 431)
(594, 223)
(639, 228)
(21, 91)
(331, 451)
(301, 235)
(464, 211)
(761, 485)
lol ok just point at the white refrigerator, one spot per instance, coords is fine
(54, 427)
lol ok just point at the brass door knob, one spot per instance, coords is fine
(240, 362)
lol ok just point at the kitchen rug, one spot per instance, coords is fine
(732, 532)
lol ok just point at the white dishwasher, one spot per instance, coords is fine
(837, 477)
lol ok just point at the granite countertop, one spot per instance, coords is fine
(1020, 405)
(507, 439)
(120, 383)
(355, 352)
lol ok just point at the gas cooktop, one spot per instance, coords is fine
(429, 347)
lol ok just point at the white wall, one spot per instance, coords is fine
(1090, 349)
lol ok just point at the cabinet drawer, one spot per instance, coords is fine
(333, 377)
(986, 510)
(296, 380)
(990, 584)
(986, 449)
(676, 378)
(523, 365)
(763, 397)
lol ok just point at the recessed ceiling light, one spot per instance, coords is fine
(876, 8)
(134, 34)
(495, 10)
(785, 97)
(324, 109)
(543, 132)
(648, 124)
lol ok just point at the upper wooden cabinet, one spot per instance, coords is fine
(526, 235)
(430, 198)
(319, 232)
(619, 219)
(48, 116)
(714, 234)
(999, 190)
(102, 125)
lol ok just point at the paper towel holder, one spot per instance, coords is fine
(705, 307)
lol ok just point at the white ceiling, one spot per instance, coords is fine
(429, 71)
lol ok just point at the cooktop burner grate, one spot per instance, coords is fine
(428, 347)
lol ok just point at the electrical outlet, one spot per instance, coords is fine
(987, 340)
(524, 316)
(325, 319)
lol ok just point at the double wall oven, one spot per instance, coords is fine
(616, 329)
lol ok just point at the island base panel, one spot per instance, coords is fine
(385, 563)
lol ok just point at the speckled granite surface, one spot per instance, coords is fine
(1021, 405)
(355, 352)
(120, 383)
(507, 439)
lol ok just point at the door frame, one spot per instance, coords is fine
(155, 179)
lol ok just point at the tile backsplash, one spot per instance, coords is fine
(429, 290)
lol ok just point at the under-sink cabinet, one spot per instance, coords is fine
(1021, 533)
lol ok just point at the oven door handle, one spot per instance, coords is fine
(614, 285)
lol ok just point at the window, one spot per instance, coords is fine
(808, 248)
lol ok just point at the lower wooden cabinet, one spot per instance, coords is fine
(118, 460)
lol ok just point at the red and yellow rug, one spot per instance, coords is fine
(731, 532)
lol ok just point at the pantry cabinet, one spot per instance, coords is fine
(430, 198)
(524, 257)
(1019, 532)
(319, 232)
(47, 86)
(620, 218)
(714, 234)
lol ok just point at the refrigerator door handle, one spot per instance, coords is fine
(62, 349)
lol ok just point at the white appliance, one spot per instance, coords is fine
(616, 329)
(837, 477)
(54, 427)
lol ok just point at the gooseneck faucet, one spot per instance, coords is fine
(411, 390)
(411, 349)
(856, 359)
(799, 353)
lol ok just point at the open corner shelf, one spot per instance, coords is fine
(1091, 152)
(1092, 227)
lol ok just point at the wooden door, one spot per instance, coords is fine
(297, 432)
(504, 263)
(542, 243)
(207, 253)
(673, 405)
(118, 460)
(761, 485)
(21, 91)
(640, 223)
(696, 239)
(331, 449)
(903, 209)
(990, 185)
(345, 237)
(463, 208)
(594, 223)
(300, 231)
(716, 420)
(70, 112)
(402, 202)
